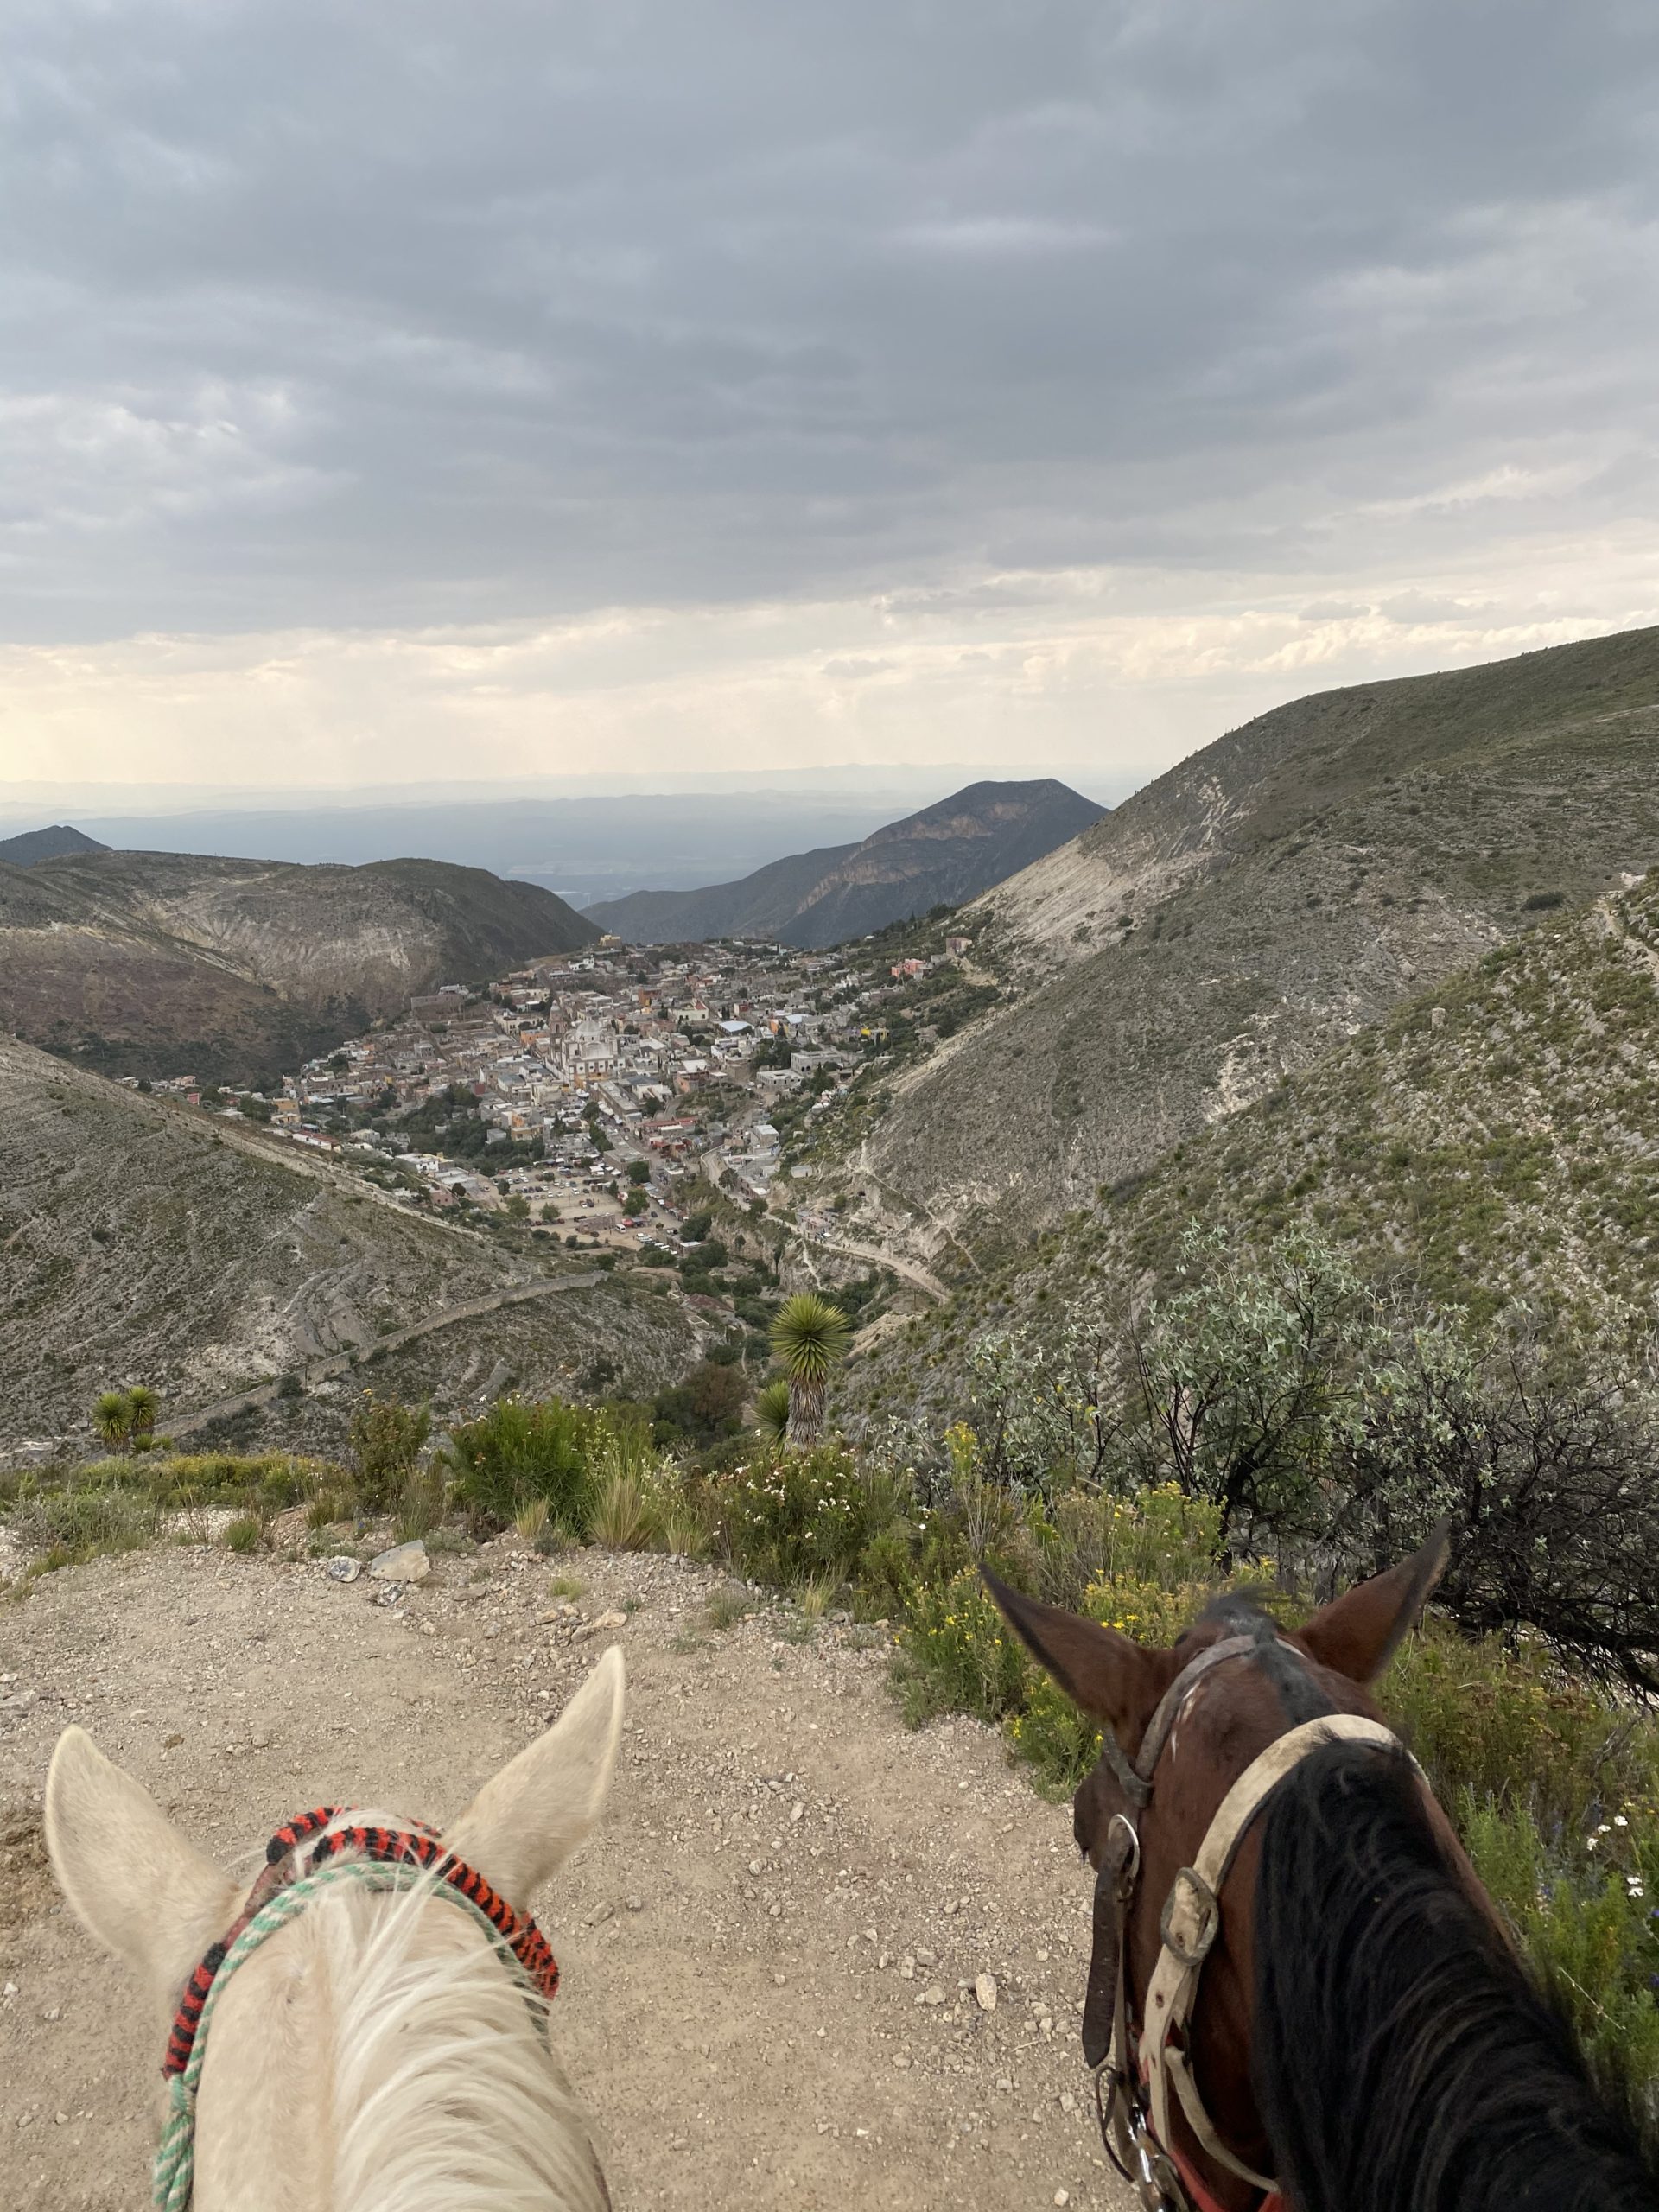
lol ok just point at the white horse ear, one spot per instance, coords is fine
(133, 1881)
(525, 1824)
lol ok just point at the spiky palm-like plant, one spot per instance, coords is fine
(112, 1418)
(771, 1411)
(809, 1339)
(143, 1407)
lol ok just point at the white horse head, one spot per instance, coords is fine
(375, 2054)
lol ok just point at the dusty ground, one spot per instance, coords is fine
(762, 2006)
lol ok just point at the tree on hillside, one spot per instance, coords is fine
(809, 1340)
(1250, 1380)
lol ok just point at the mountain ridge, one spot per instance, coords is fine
(1273, 892)
(159, 964)
(940, 855)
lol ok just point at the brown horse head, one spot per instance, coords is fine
(1232, 1713)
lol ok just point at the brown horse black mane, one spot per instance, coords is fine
(1403, 2061)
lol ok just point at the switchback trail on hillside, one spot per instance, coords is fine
(769, 1948)
(340, 1363)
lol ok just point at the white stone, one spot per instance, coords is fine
(403, 1563)
(985, 1990)
(343, 1568)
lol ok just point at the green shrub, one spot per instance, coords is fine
(523, 1449)
(885, 1580)
(1586, 1922)
(384, 1440)
(1060, 1742)
(67, 1526)
(786, 1517)
(707, 1404)
(957, 1655)
(1504, 1728)
(243, 1534)
(1160, 1537)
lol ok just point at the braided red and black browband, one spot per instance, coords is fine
(417, 1845)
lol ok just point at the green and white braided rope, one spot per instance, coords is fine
(173, 2177)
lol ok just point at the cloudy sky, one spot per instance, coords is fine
(392, 391)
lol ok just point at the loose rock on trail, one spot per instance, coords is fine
(777, 1950)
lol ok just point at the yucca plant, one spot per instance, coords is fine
(771, 1411)
(142, 1406)
(112, 1418)
(809, 1340)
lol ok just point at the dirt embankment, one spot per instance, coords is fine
(762, 2005)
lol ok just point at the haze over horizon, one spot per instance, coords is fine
(391, 401)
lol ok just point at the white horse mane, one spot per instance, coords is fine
(446, 2094)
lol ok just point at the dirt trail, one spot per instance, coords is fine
(736, 2008)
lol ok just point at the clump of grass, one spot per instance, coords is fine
(817, 1594)
(420, 1507)
(728, 1605)
(66, 1527)
(622, 1515)
(566, 1585)
(245, 1533)
(684, 1531)
(531, 1519)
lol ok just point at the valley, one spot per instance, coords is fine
(1265, 1173)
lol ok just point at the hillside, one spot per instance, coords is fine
(942, 855)
(163, 964)
(36, 845)
(144, 1242)
(1493, 1140)
(1271, 895)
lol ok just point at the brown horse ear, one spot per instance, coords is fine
(1359, 1633)
(1113, 1679)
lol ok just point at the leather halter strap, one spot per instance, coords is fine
(1133, 1777)
(1191, 1921)
(1137, 2124)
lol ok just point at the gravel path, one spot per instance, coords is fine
(770, 1948)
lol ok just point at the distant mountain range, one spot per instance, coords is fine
(946, 854)
(166, 963)
(50, 844)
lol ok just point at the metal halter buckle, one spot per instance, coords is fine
(1191, 1918)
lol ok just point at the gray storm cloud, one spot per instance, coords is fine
(391, 313)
